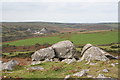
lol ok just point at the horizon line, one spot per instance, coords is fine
(56, 22)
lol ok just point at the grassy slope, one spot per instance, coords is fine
(93, 38)
(60, 70)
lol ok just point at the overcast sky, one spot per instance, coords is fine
(67, 11)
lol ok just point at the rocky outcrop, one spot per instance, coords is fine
(9, 65)
(44, 31)
(91, 52)
(64, 49)
(42, 54)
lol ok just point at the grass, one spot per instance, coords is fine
(93, 38)
(18, 54)
(60, 70)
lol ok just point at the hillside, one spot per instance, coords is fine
(18, 30)
(105, 37)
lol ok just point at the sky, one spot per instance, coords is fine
(65, 11)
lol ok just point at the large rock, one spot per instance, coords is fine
(9, 65)
(90, 52)
(85, 48)
(64, 49)
(42, 54)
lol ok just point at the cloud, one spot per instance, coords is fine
(59, 0)
(60, 11)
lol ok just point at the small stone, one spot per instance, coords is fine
(51, 60)
(46, 60)
(89, 76)
(116, 63)
(36, 62)
(79, 60)
(9, 72)
(113, 64)
(81, 73)
(35, 68)
(56, 60)
(67, 77)
(4, 76)
(101, 76)
(93, 63)
(69, 61)
(105, 70)
(117, 57)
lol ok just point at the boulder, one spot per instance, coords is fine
(85, 48)
(9, 65)
(90, 52)
(64, 49)
(42, 54)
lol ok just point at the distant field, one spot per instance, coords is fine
(106, 37)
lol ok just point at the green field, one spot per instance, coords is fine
(81, 38)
